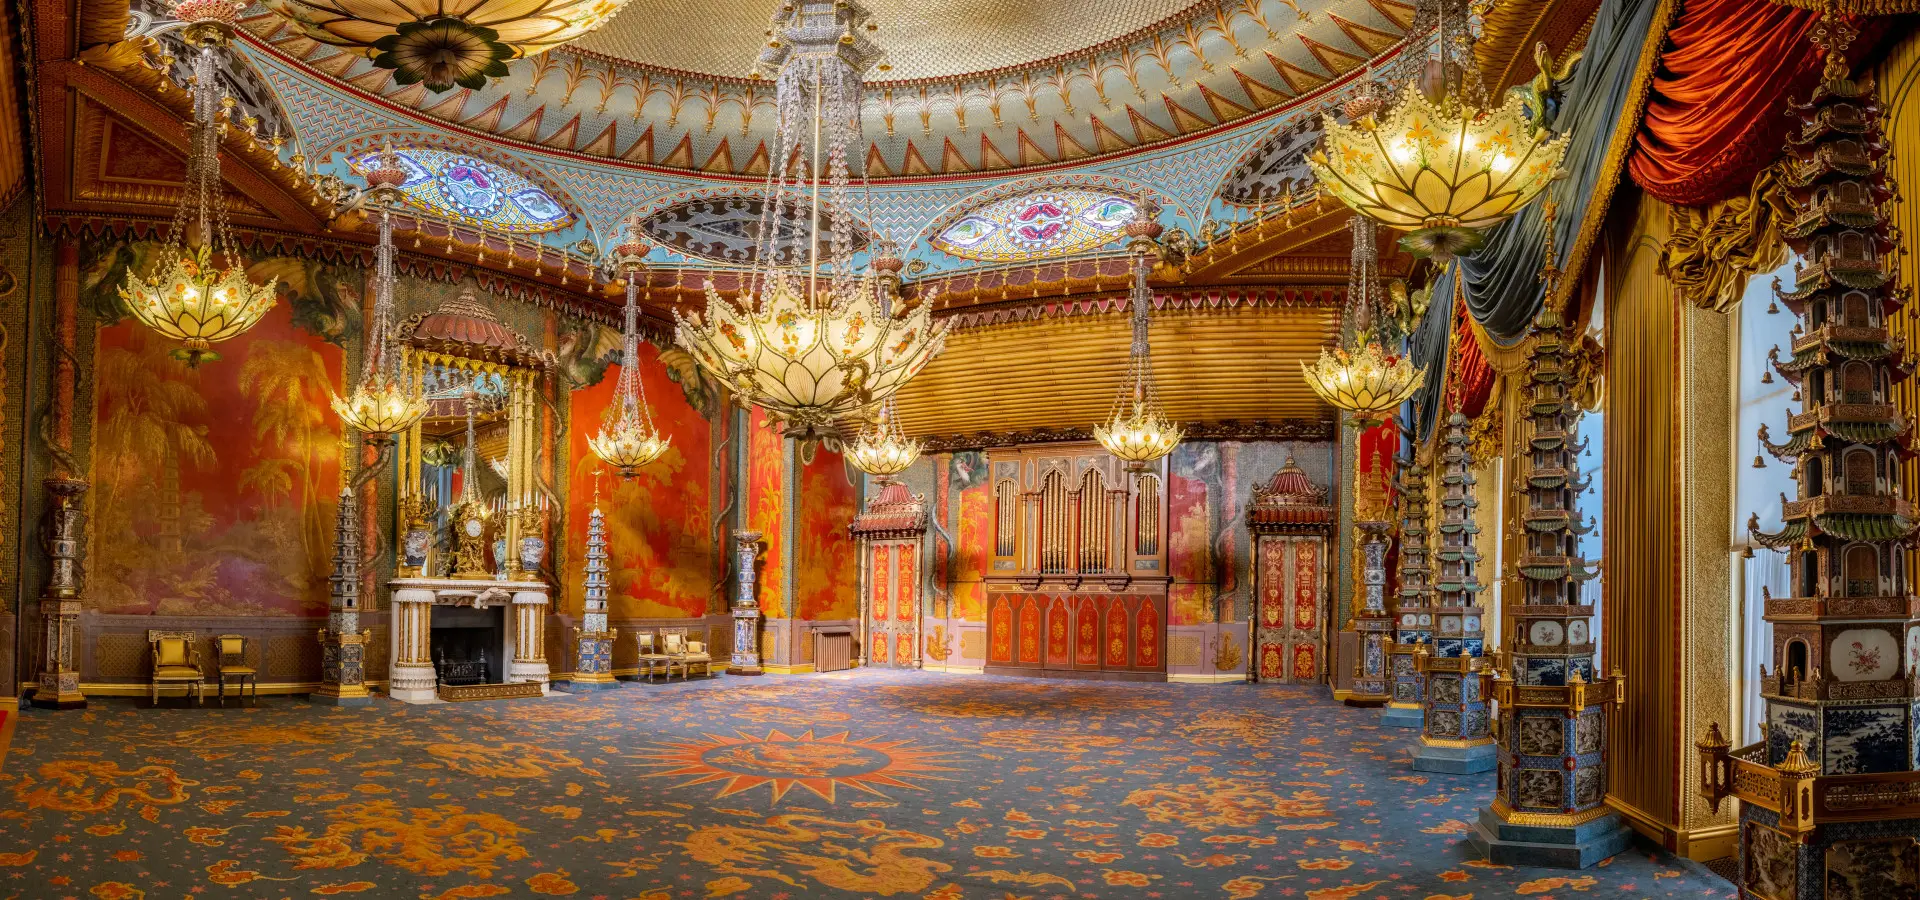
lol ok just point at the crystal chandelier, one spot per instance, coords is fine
(628, 439)
(463, 42)
(1362, 376)
(816, 342)
(1136, 430)
(387, 399)
(188, 296)
(1439, 167)
(883, 450)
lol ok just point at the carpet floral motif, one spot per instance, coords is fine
(871, 784)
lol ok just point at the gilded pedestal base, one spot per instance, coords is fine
(1576, 842)
(1462, 760)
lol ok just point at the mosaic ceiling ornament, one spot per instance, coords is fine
(727, 229)
(471, 191)
(1178, 69)
(1052, 222)
(443, 43)
(1275, 168)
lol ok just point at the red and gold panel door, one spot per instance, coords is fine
(906, 605)
(1290, 609)
(894, 612)
(880, 595)
(1000, 630)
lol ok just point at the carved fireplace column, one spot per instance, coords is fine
(410, 676)
(746, 607)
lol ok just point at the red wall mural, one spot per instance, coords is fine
(659, 523)
(826, 559)
(967, 471)
(766, 508)
(1190, 515)
(215, 489)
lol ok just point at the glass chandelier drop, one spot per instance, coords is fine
(1361, 375)
(1136, 430)
(190, 296)
(387, 400)
(883, 450)
(445, 42)
(1444, 165)
(628, 438)
(809, 339)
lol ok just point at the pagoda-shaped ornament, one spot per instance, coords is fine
(1549, 808)
(343, 644)
(1830, 797)
(1456, 729)
(1373, 528)
(593, 661)
(1412, 607)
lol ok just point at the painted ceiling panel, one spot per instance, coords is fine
(1200, 65)
(1240, 363)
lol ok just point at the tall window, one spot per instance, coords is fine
(1757, 490)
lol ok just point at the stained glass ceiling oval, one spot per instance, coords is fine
(472, 191)
(1052, 222)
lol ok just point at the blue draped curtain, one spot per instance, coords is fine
(1502, 279)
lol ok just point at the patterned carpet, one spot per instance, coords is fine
(871, 784)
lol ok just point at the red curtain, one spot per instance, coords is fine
(1716, 108)
(1469, 376)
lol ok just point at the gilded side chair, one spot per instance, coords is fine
(176, 660)
(684, 655)
(230, 661)
(650, 656)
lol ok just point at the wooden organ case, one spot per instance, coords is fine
(1291, 522)
(890, 532)
(1077, 585)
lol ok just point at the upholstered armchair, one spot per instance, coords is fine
(650, 656)
(176, 660)
(684, 655)
(230, 661)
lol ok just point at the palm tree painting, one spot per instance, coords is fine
(216, 487)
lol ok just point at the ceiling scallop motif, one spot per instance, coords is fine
(922, 39)
(1038, 225)
(727, 230)
(472, 191)
(1073, 85)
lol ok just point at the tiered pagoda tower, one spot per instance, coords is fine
(1413, 602)
(1830, 797)
(1456, 733)
(343, 645)
(1550, 805)
(593, 662)
(1373, 526)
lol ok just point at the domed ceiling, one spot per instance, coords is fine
(971, 85)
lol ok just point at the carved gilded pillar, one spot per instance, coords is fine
(343, 645)
(60, 603)
(593, 656)
(1456, 733)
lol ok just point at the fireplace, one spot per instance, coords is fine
(468, 646)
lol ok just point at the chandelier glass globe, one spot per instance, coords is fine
(200, 295)
(816, 343)
(628, 439)
(1362, 376)
(1136, 431)
(1441, 166)
(883, 450)
(388, 398)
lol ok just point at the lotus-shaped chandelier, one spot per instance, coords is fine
(388, 399)
(1440, 166)
(883, 450)
(816, 343)
(200, 295)
(1363, 376)
(445, 43)
(1136, 431)
(628, 439)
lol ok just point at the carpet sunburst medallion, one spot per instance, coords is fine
(821, 764)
